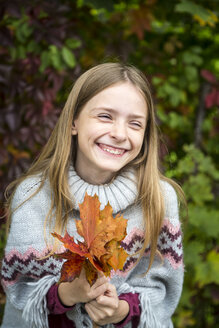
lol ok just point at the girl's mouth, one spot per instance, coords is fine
(112, 150)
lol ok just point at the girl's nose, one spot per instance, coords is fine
(118, 131)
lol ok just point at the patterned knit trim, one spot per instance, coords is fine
(16, 264)
(169, 245)
(133, 241)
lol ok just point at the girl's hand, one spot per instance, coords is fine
(107, 308)
(79, 290)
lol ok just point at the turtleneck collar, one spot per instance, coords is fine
(120, 193)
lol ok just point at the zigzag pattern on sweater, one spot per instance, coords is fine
(30, 264)
(169, 245)
(14, 263)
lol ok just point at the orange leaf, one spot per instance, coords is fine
(111, 228)
(119, 228)
(72, 268)
(106, 212)
(101, 249)
(91, 272)
(106, 267)
(89, 214)
(118, 255)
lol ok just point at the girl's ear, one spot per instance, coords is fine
(74, 130)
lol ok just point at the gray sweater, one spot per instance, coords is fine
(26, 280)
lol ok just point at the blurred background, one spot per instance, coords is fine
(46, 45)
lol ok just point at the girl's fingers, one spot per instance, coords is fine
(111, 291)
(93, 312)
(82, 279)
(108, 290)
(100, 281)
(100, 290)
(99, 313)
(100, 274)
(82, 274)
(99, 287)
(104, 300)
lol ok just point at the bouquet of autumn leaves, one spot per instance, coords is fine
(101, 249)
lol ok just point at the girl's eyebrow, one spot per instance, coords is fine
(112, 110)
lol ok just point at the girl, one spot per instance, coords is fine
(105, 143)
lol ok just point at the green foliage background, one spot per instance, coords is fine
(46, 45)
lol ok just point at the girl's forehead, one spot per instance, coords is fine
(121, 93)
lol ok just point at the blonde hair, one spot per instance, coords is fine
(60, 151)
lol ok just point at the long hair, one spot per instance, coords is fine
(60, 151)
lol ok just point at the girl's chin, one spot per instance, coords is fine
(110, 169)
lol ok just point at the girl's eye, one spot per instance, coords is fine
(136, 124)
(104, 116)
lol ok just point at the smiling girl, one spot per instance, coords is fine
(104, 143)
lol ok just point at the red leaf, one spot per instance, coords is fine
(65, 255)
(141, 19)
(72, 268)
(208, 76)
(69, 243)
(212, 98)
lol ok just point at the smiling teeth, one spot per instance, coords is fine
(115, 152)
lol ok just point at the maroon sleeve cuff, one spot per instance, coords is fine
(53, 302)
(134, 310)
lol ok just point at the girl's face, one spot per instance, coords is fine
(110, 131)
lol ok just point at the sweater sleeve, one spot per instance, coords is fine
(160, 289)
(134, 310)
(165, 279)
(27, 274)
(53, 302)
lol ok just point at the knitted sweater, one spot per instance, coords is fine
(26, 279)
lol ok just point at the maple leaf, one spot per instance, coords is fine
(70, 244)
(91, 272)
(141, 19)
(117, 255)
(101, 249)
(72, 267)
(90, 219)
